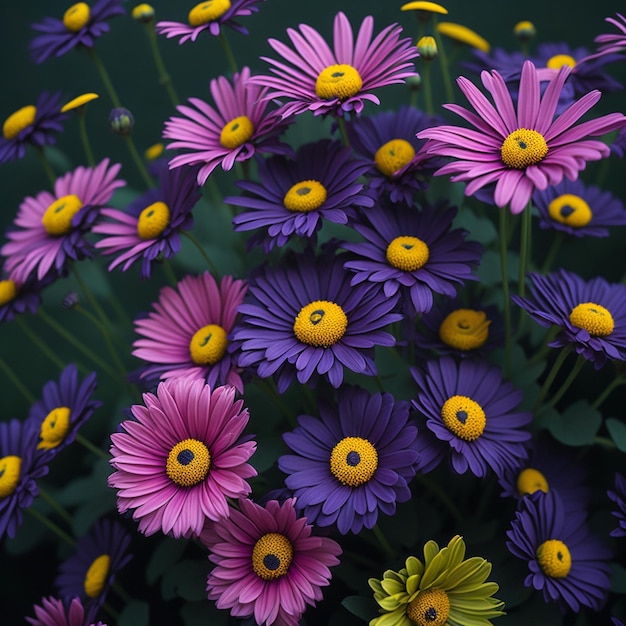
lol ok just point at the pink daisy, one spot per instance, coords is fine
(522, 150)
(611, 43)
(337, 81)
(50, 228)
(187, 332)
(241, 126)
(181, 457)
(57, 612)
(267, 563)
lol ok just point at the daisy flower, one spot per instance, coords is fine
(356, 460)
(181, 457)
(567, 563)
(590, 314)
(57, 612)
(312, 77)
(268, 564)
(618, 497)
(612, 43)
(211, 17)
(49, 230)
(80, 27)
(293, 197)
(469, 415)
(520, 150)
(444, 588)
(18, 297)
(150, 227)
(187, 332)
(241, 126)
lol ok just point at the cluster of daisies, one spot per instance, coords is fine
(358, 261)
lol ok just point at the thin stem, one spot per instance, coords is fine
(202, 251)
(556, 366)
(130, 144)
(616, 382)
(16, 382)
(525, 248)
(341, 124)
(605, 441)
(55, 505)
(46, 166)
(51, 525)
(554, 248)
(228, 52)
(169, 272)
(428, 90)
(505, 291)
(40, 343)
(443, 61)
(545, 348)
(104, 75)
(164, 77)
(214, 190)
(567, 382)
(383, 543)
(90, 446)
(121, 592)
(84, 137)
(90, 297)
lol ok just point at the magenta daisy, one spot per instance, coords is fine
(18, 297)
(268, 564)
(187, 332)
(241, 126)
(181, 457)
(50, 229)
(312, 77)
(519, 150)
(57, 612)
(611, 43)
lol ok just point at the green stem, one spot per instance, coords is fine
(443, 61)
(525, 248)
(505, 291)
(51, 525)
(16, 382)
(40, 343)
(545, 348)
(164, 77)
(556, 366)
(55, 505)
(104, 75)
(90, 446)
(567, 382)
(90, 297)
(267, 385)
(46, 166)
(341, 124)
(130, 144)
(169, 272)
(428, 90)
(554, 248)
(121, 592)
(383, 543)
(605, 441)
(616, 382)
(84, 137)
(202, 251)
(228, 52)
(441, 496)
(214, 190)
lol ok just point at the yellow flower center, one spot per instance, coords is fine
(407, 253)
(271, 556)
(208, 345)
(18, 121)
(571, 210)
(10, 468)
(96, 576)
(594, 318)
(554, 558)
(305, 196)
(523, 147)
(236, 132)
(393, 156)
(463, 417)
(76, 16)
(559, 60)
(8, 291)
(353, 461)
(188, 463)
(338, 81)
(531, 480)
(154, 151)
(153, 220)
(57, 220)
(465, 329)
(429, 608)
(320, 323)
(54, 428)
(208, 11)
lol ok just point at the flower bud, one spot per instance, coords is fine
(524, 30)
(121, 121)
(414, 83)
(427, 47)
(143, 13)
(70, 300)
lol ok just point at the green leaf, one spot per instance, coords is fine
(489, 271)
(481, 229)
(617, 430)
(163, 558)
(137, 613)
(186, 579)
(365, 608)
(576, 426)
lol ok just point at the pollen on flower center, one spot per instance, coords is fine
(429, 608)
(19, 121)
(523, 147)
(571, 210)
(594, 318)
(338, 81)
(559, 60)
(8, 291)
(393, 156)
(271, 556)
(353, 461)
(188, 463)
(465, 329)
(554, 558)
(464, 417)
(153, 220)
(77, 16)
(305, 196)
(96, 576)
(208, 11)
(57, 219)
(10, 469)
(407, 253)
(236, 132)
(54, 428)
(208, 345)
(530, 480)
(320, 323)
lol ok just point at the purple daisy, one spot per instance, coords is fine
(209, 16)
(80, 27)
(57, 612)
(36, 125)
(522, 150)
(618, 146)
(612, 43)
(303, 318)
(356, 460)
(293, 197)
(18, 297)
(316, 78)
(412, 252)
(567, 563)
(187, 333)
(590, 314)
(150, 227)
(470, 416)
(50, 229)
(181, 457)
(268, 564)
(240, 127)
(618, 496)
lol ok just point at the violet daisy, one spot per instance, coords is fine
(356, 460)
(187, 332)
(149, 228)
(34, 125)
(181, 457)
(211, 17)
(590, 314)
(50, 229)
(312, 77)
(471, 417)
(80, 27)
(303, 319)
(617, 495)
(412, 252)
(294, 197)
(268, 564)
(567, 563)
(519, 150)
(18, 297)
(58, 612)
(242, 125)
(612, 43)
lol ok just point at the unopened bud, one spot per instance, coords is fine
(121, 121)
(427, 47)
(143, 13)
(525, 30)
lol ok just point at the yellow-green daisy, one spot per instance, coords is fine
(463, 34)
